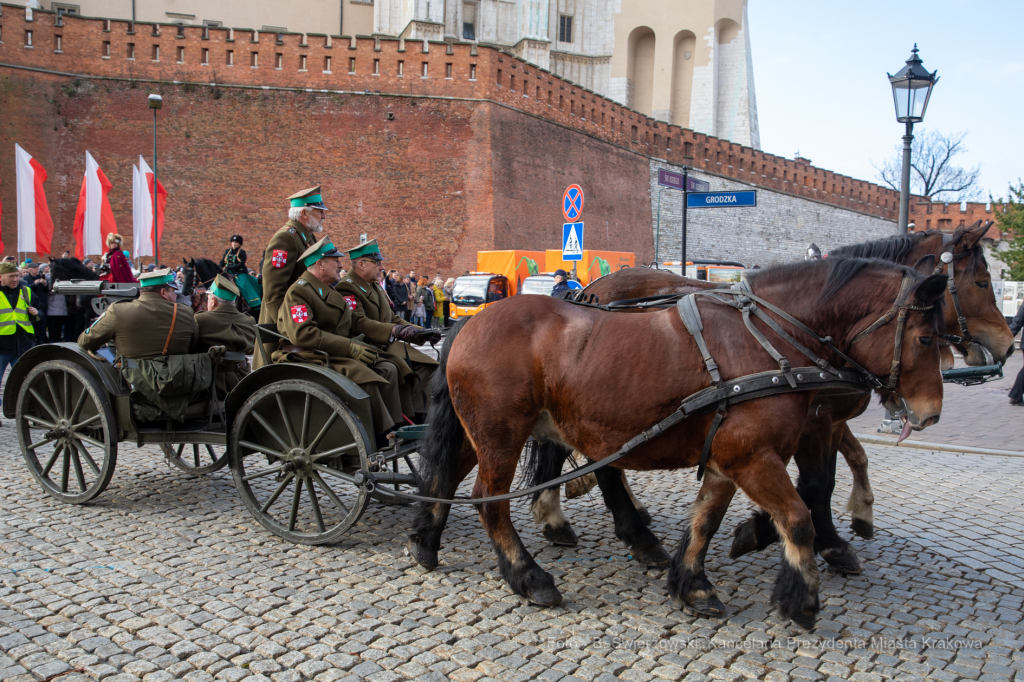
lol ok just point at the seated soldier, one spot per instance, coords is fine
(152, 336)
(223, 324)
(318, 323)
(388, 331)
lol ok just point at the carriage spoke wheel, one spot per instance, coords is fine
(196, 458)
(298, 455)
(66, 430)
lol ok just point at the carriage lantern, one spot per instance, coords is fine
(911, 89)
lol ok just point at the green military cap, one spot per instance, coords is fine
(322, 249)
(223, 287)
(7, 267)
(366, 250)
(157, 278)
(308, 198)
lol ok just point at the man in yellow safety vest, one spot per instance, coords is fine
(17, 313)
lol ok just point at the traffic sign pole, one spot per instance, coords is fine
(686, 191)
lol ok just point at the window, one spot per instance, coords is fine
(448, 70)
(351, 64)
(57, 41)
(28, 38)
(231, 58)
(376, 67)
(181, 55)
(279, 61)
(106, 25)
(131, 50)
(564, 29)
(206, 56)
(401, 67)
(210, 22)
(499, 78)
(155, 31)
(327, 64)
(65, 8)
(538, 92)
(106, 49)
(468, 21)
(472, 72)
(512, 82)
(424, 73)
(254, 60)
(156, 53)
(302, 62)
(561, 103)
(688, 149)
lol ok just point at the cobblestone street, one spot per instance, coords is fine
(167, 576)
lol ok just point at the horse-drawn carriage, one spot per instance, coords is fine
(298, 438)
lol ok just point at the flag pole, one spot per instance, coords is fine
(155, 102)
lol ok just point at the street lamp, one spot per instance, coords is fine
(911, 89)
(155, 102)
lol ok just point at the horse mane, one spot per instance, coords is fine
(71, 268)
(840, 272)
(897, 248)
(206, 269)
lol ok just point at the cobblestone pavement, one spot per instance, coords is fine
(167, 576)
(974, 416)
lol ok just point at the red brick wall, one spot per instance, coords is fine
(948, 217)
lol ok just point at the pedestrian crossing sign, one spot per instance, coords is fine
(572, 241)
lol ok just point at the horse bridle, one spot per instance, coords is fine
(948, 258)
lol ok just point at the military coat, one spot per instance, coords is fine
(374, 318)
(139, 328)
(281, 266)
(315, 317)
(236, 331)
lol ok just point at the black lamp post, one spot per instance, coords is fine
(911, 90)
(155, 102)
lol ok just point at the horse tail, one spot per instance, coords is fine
(440, 454)
(544, 461)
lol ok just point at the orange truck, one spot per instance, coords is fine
(594, 264)
(499, 274)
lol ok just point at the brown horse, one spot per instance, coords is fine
(592, 380)
(826, 430)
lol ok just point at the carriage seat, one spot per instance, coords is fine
(175, 386)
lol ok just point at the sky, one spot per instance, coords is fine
(820, 77)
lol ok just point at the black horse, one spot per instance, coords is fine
(199, 276)
(79, 307)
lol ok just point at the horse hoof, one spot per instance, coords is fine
(842, 561)
(655, 557)
(805, 619)
(744, 539)
(645, 515)
(427, 558)
(545, 595)
(563, 536)
(862, 528)
(709, 607)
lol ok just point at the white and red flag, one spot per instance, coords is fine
(35, 227)
(94, 219)
(142, 209)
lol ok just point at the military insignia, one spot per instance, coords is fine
(352, 302)
(279, 258)
(299, 313)
(292, 230)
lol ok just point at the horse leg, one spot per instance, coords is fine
(645, 515)
(766, 482)
(629, 524)
(546, 505)
(688, 585)
(862, 499)
(496, 472)
(431, 518)
(815, 485)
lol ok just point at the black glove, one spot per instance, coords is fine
(415, 335)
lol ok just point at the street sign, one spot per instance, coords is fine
(572, 203)
(668, 178)
(572, 241)
(721, 199)
(574, 285)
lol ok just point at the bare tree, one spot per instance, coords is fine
(932, 173)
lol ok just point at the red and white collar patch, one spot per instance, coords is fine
(300, 313)
(279, 258)
(352, 301)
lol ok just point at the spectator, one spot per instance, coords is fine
(440, 303)
(425, 293)
(1017, 392)
(59, 321)
(411, 285)
(19, 308)
(449, 293)
(561, 286)
(34, 280)
(400, 295)
(419, 312)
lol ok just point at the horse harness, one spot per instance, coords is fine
(948, 258)
(722, 393)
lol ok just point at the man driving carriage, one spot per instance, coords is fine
(374, 319)
(223, 324)
(319, 325)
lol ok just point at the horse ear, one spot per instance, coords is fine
(925, 264)
(930, 290)
(975, 233)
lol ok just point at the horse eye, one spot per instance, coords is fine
(982, 285)
(925, 340)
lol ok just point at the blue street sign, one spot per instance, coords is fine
(668, 178)
(573, 284)
(721, 199)
(572, 241)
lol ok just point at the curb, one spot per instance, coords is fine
(941, 447)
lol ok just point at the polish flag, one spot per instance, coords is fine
(93, 220)
(1, 223)
(142, 209)
(35, 227)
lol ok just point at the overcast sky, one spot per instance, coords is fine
(820, 76)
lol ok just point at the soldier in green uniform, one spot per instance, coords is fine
(224, 325)
(148, 327)
(281, 265)
(318, 323)
(375, 319)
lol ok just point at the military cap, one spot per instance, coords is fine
(223, 287)
(8, 267)
(322, 249)
(366, 250)
(157, 278)
(308, 198)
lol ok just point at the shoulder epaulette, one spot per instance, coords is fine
(292, 230)
(302, 282)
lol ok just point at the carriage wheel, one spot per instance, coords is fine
(66, 430)
(196, 458)
(298, 454)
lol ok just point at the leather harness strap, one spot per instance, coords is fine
(174, 318)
